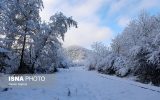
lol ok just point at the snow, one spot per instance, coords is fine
(2, 50)
(79, 84)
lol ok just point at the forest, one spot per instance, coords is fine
(133, 53)
(29, 45)
(125, 68)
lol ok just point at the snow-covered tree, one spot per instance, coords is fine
(47, 42)
(100, 49)
(35, 44)
(135, 51)
(139, 43)
(96, 55)
(20, 21)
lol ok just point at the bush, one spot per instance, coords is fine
(122, 67)
(91, 61)
(147, 68)
(106, 66)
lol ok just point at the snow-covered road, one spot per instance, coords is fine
(80, 84)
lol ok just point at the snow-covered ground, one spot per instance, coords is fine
(79, 84)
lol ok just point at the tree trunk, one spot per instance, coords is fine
(38, 54)
(22, 68)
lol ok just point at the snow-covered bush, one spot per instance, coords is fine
(154, 58)
(106, 65)
(3, 58)
(154, 61)
(92, 61)
(64, 60)
(97, 55)
(121, 65)
(114, 64)
(12, 63)
(146, 66)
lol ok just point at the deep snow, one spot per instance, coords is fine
(79, 84)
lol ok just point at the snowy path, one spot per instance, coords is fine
(79, 84)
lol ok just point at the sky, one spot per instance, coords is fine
(98, 20)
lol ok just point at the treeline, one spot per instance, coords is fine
(134, 52)
(28, 45)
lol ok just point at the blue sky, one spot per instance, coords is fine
(98, 20)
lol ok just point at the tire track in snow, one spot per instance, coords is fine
(143, 87)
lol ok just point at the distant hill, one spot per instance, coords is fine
(77, 54)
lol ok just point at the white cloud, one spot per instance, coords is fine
(125, 10)
(146, 4)
(129, 7)
(123, 21)
(84, 12)
(87, 34)
(116, 6)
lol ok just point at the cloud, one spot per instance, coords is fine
(124, 10)
(80, 10)
(146, 4)
(116, 6)
(123, 21)
(85, 13)
(87, 34)
(93, 26)
(131, 7)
